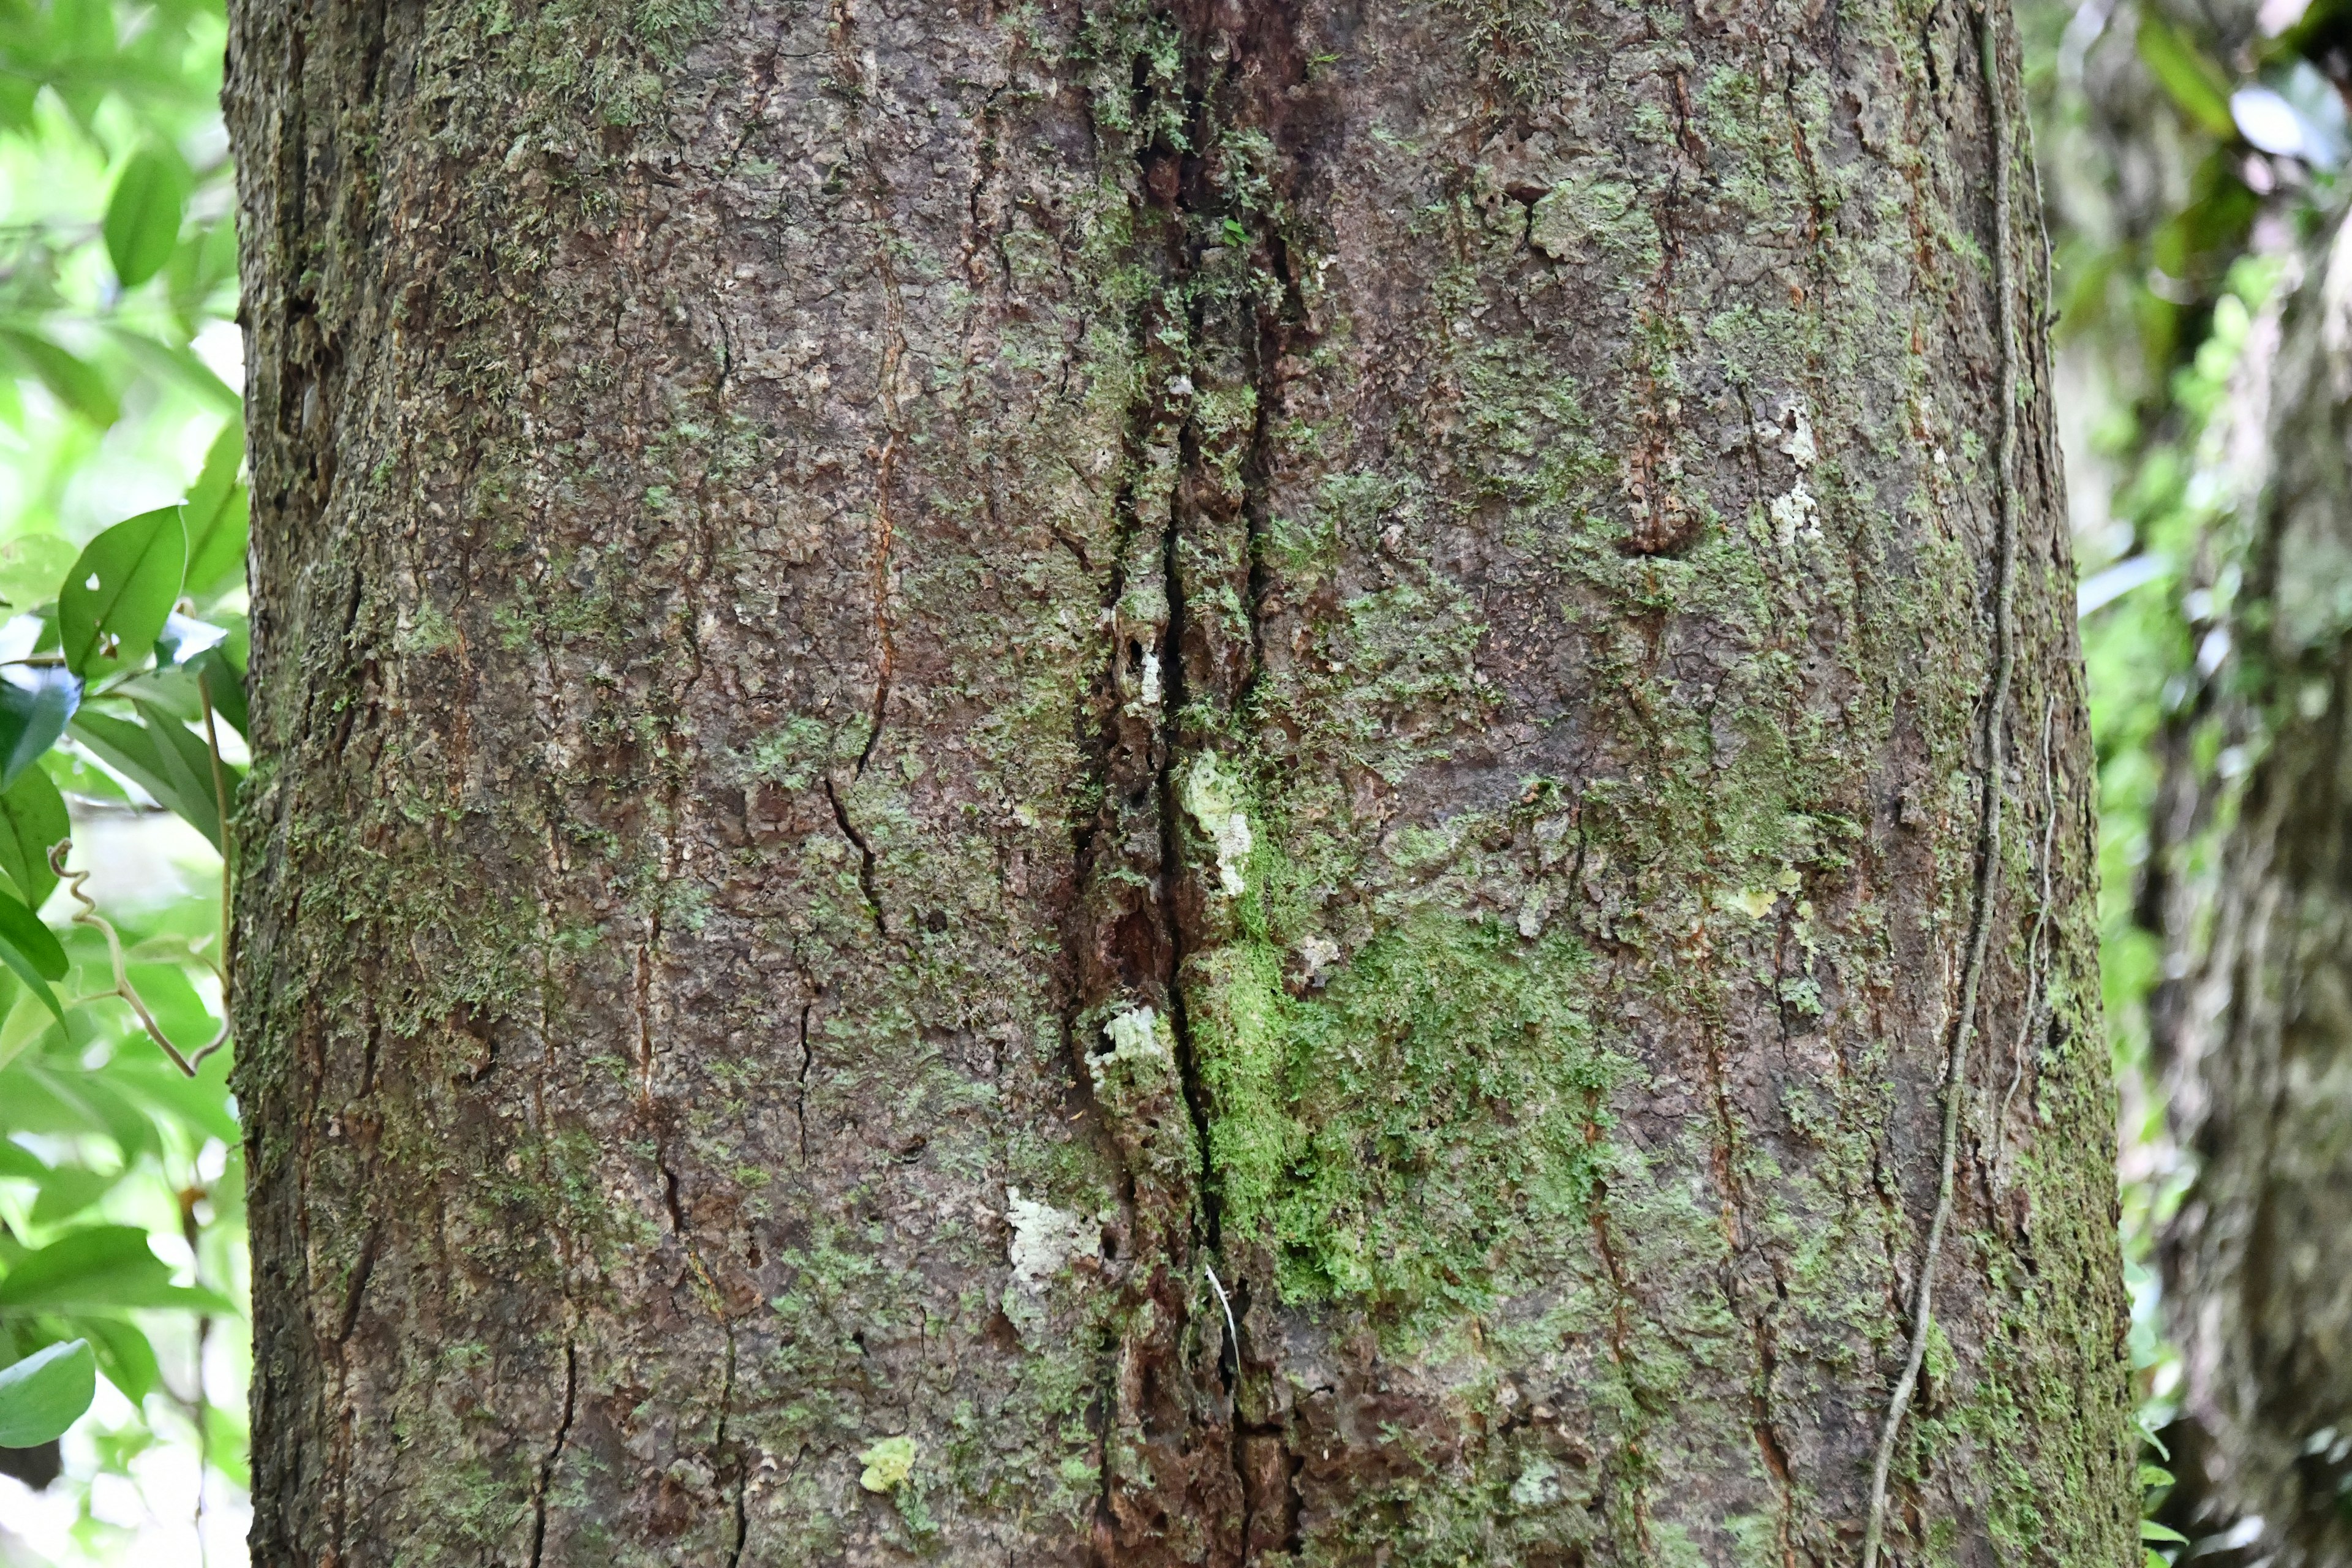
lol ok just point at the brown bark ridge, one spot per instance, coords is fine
(1095, 782)
(2258, 1031)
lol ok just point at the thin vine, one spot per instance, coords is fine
(1996, 763)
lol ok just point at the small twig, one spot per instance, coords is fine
(123, 990)
(1996, 763)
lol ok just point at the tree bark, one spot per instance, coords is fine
(2261, 1069)
(1093, 783)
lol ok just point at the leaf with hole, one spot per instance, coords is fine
(35, 701)
(143, 216)
(45, 1393)
(120, 593)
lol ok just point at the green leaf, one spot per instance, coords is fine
(124, 1354)
(32, 566)
(120, 591)
(70, 380)
(2153, 1475)
(217, 517)
(32, 821)
(187, 766)
(32, 949)
(143, 216)
(2198, 86)
(35, 701)
(27, 1020)
(129, 749)
(17, 1160)
(223, 688)
(69, 1190)
(102, 1267)
(45, 1393)
(2151, 1531)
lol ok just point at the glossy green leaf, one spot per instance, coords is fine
(124, 1354)
(32, 949)
(35, 702)
(100, 1268)
(45, 1393)
(2151, 1531)
(32, 821)
(120, 591)
(166, 759)
(143, 213)
(71, 380)
(217, 517)
(130, 750)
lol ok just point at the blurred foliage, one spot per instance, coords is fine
(120, 651)
(2188, 152)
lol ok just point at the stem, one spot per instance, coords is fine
(1996, 763)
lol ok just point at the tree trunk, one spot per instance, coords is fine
(1083, 783)
(2262, 1044)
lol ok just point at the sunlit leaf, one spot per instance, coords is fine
(69, 1190)
(120, 591)
(35, 701)
(142, 215)
(216, 516)
(45, 1393)
(124, 1354)
(32, 567)
(31, 948)
(2198, 86)
(27, 1020)
(19, 1161)
(72, 381)
(98, 1267)
(32, 821)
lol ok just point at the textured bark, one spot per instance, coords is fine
(1084, 783)
(2261, 1042)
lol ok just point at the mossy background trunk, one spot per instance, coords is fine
(2257, 1025)
(1084, 783)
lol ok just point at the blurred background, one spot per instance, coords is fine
(2192, 161)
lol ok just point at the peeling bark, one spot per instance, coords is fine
(1194, 784)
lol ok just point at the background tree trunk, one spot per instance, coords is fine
(1094, 782)
(2261, 1043)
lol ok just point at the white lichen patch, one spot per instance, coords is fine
(1317, 955)
(1135, 1033)
(1796, 516)
(1796, 436)
(1216, 801)
(1044, 1238)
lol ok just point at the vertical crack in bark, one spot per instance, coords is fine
(555, 1451)
(1995, 762)
(885, 456)
(865, 852)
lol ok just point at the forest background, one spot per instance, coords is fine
(2193, 158)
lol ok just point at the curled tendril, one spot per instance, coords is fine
(123, 989)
